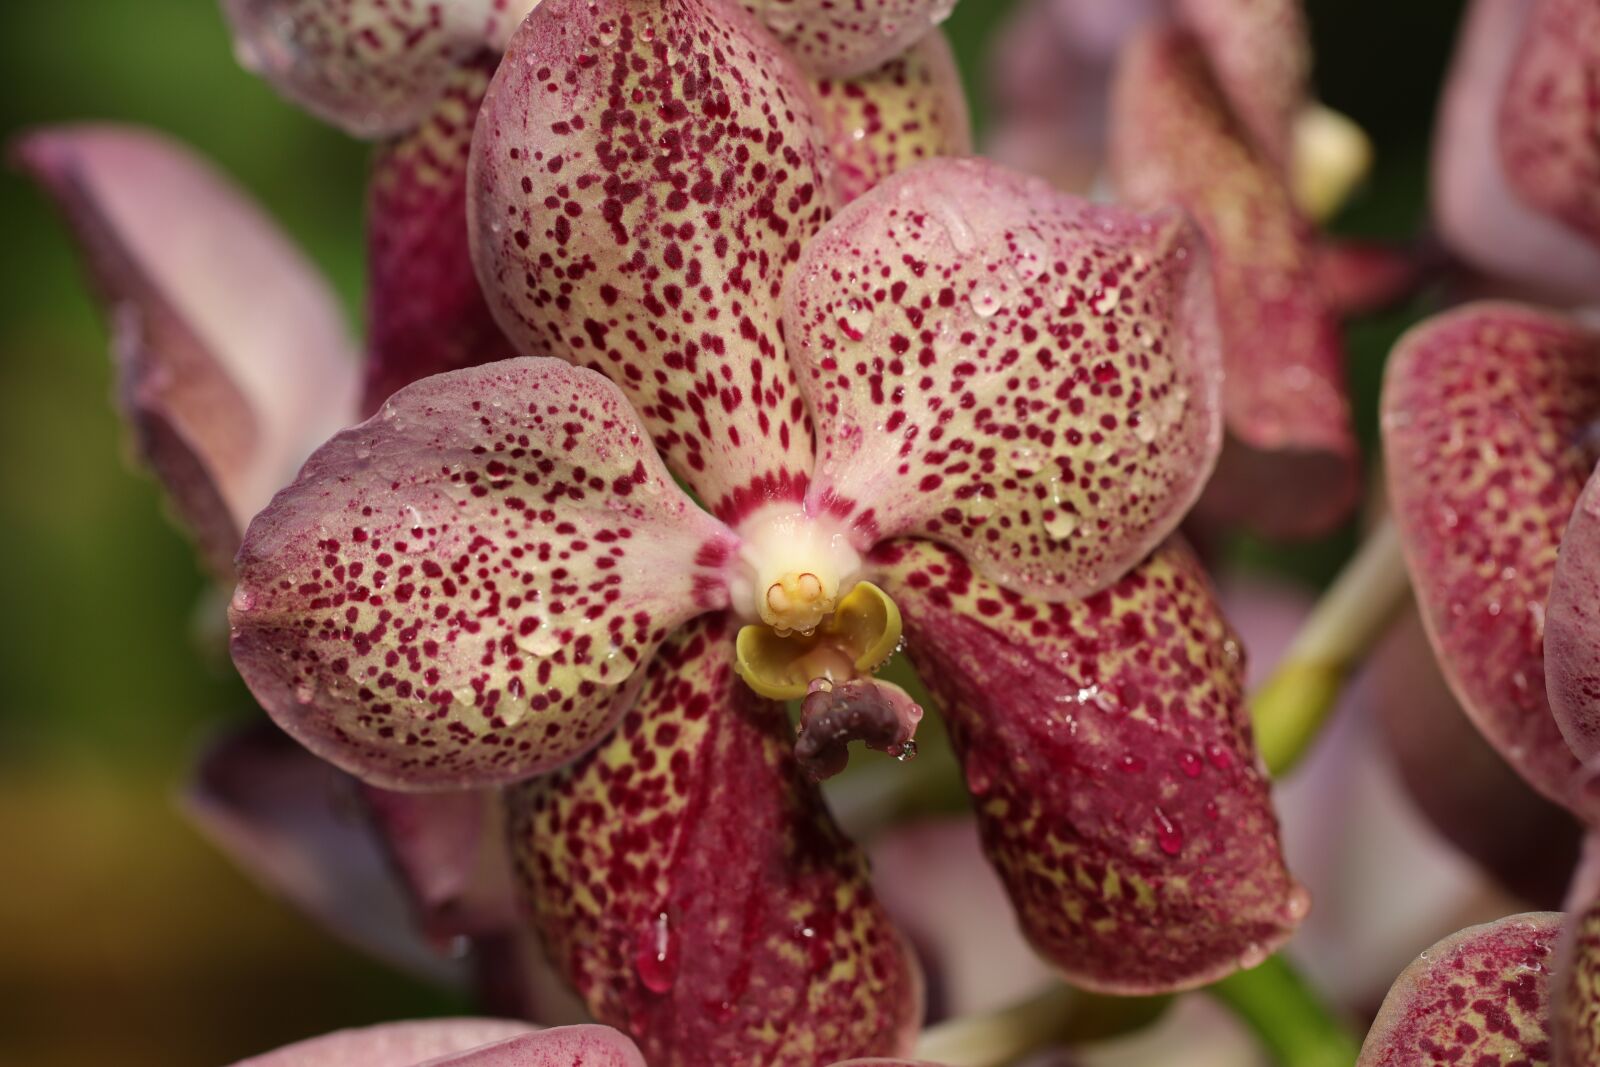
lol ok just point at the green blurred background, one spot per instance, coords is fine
(123, 937)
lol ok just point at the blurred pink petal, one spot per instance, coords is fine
(232, 356)
(458, 1043)
(1358, 277)
(843, 40)
(1260, 53)
(1478, 214)
(1550, 116)
(1572, 626)
(425, 311)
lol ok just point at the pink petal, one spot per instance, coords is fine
(1575, 998)
(1478, 214)
(295, 826)
(1009, 370)
(1260, 53)
(1480, 996)
(425, 309)
(1484, 412)
(643, 176)
(1290, 467)
(1107, 747)
(1572, 625)
(687, 877)
(232, 355)
(458, 1043)
(459, 591)
(834, 40)
(1357, 277)
(373, 67)
(910, 109)
(1551, 111)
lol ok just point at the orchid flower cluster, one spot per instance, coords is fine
(707, 370)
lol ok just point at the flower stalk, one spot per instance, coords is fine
(1286, 1014)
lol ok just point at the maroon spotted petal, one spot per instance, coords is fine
(1290, 464)
(688, 879)
(1479, 997)
(1009, 370)
(910, 109)
(1260, 52)
(1550, 116)
(1487, 412)
(458, 591)
(425, 311)
(1575, 1007)
(643, 176)
(841, 40)
(232, 356)
(373, 67)
(1572, 624)
(1478, 213)
(458, 1043)
(1107, 747)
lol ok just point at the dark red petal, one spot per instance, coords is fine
(1575, 1000)
(910, 109)
(1358, 277)
(1478, 213)
(460, 591)
(1477, 997)
(458, 1043)
(1107, 746)
(425, 311)
(1572, 625)
(294, 825)
(1260, 52)
(1009, 370)
(643, 176)
(1290, 467)
(694, 888)
(232, 356)
(1485, 412)
(1551, 112)
(842, 40)
(373, 67)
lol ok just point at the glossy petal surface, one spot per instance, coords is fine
(1009, 370)
(425, 311)
(911, 109)
(1107, 748)
(373, 67)
(1572, 627)
(1478, 213)
(458, 1043)
(644, 174)
(458, 591)
(1478, 997)
(1290, 465)
(840, 40)
(1260, 51)
(1485, 412)
(232, 356)
(1575, 1012)
(697, 893)
(1550, 115)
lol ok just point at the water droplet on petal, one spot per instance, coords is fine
(856, 319)
(985, 299)
(243, 599)
(1061, 525)
(654, 958)
(1254, 955)
(1298, 905)
(1168, 836)
(906, 751)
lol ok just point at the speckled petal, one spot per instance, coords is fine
(644, 174)
(1485, 412)
(1260, 52)
(697, 893)
(1290, 464)
(232, 356)
(458, 591)
(1572, 624)
(1575, 1007)
(834, 39)
(1550, 115)
(1479, 997)
(425, 311)
(372, 67)
(1107, 747)
(1477, 212)
(458, 1043)
(1009, 370)
(910, 109)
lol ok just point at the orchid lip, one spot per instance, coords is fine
(852, 642)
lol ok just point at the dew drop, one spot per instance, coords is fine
(955, 224)
(243, 599)
(543, 641)
(1145, 430)
(1061, 525)
(1189, 763)
(1168, 836)
(303, 693)
(856, 319)
(985, 299)
(607, 33)
(654, 958)
(906, 751)
(1024, 460)
(1105, 301)
(1298, 905)
(979, 779)
(1254, 955)
(1131, 764)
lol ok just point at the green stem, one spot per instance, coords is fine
(1352, 615)
(1286, 1014)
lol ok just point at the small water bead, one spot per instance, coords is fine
(1189, 763)
(1168, 836)
(906, 751)
(1254, 955)
(1144, 428)
(986, 299)
(956, 226)
(607, 33)
(1024, 460)
(540, 640)
(1131, 764)
(243, 599)
(1061, 525)
(654, 959)
(1105, 301)
(856, 319)
(1298, 906)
